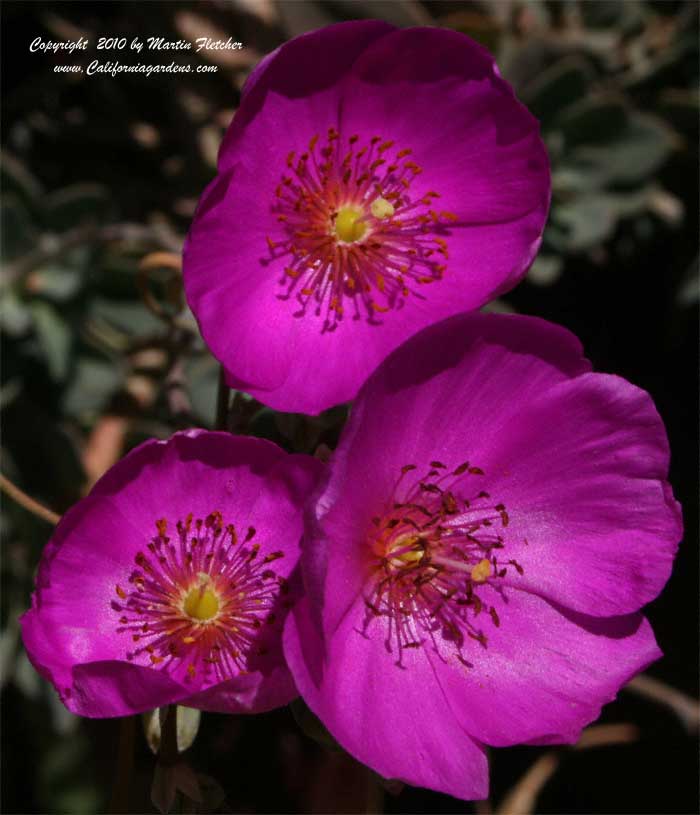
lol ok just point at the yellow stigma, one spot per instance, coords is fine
(481, 572)
(381, 208)
(405, 551)
(201, 603)
(349, 226)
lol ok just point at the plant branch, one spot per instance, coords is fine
(522, 798)
(685, 707)
(24, 500)
(52, 246)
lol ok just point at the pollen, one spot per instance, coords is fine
(481, 572)
(381, 208)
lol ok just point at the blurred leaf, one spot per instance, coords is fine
(25, 677)
(18, 181)
(624, 15)
(563, 83)
(64, 722)
(9, 391)
(59, 283)
(9, 637)
(298, 18)
(639, 150)
(680, 59)
(54, 338)
(484, 28)
(582, 223)
(688, 293)
(64, 777)
(77, 205)
(406, 13)
(202, 377)
(15, 316)
(592, 121)
(19, 234)
(91, 386)
(546, 270)
(131, 317)
(682, 109)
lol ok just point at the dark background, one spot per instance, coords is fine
(99, 171)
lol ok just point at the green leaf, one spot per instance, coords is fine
(546, 270)
(58, 283)
(639, 150)
(18, 181)
(593, 121)
(581, 224)
(130, 317)
(93, 383)
(77, 205)
(19, 234)
(682, 109)
(622, 15)
(557, 87)
(675, 65)
(15, 316)
(202, 377)
(54, 338)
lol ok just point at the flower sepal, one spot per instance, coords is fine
(186, 727)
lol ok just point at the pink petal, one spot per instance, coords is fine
(485, 160)
(396, 721)
(544, 673)
(74, 633)
(593, 523)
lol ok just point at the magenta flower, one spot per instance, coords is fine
(492, 521)
(169, 581)
(373, 181)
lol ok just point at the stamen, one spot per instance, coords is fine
(351, 232)
(197, 601)
(432, 549)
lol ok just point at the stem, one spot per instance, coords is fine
(222, 402)
(27, 502)
(522, 798)
(167, 752)
(685, 707)
(119, 801)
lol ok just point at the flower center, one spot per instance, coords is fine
(349, 224)
(201, 603)
(432, 549)
(354, 231)
(204, 601)
(404, 552)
